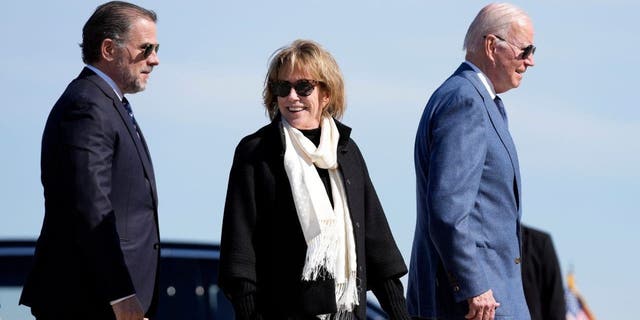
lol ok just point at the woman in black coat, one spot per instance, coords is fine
(304, 235)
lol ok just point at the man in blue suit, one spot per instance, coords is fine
(97, 254)
(465, 261)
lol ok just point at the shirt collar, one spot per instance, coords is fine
(483, 78)
(106, 78)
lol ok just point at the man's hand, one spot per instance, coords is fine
(482, 307)
(128, 309)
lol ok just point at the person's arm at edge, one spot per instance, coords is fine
(458, 150)
(237, 255)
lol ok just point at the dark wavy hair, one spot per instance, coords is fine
(111, 20)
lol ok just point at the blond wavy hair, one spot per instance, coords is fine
(306, 56)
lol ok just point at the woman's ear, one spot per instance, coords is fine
(324, 99)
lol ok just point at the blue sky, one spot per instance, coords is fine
(575, 119)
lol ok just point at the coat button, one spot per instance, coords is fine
(517, 260)
(456, 288)
(348, 181)
(357, 225)
(156, 246)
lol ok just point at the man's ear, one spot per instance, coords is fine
(108, 49)
(490, 47)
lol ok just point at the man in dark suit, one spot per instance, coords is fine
(465, 261)
(98, 250)
(541, 276)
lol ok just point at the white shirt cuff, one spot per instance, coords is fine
(121, 299)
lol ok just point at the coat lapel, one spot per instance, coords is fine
(502, 130)
(140, 143)
(497, 121)
(141, 147)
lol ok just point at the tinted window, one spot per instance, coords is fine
(188, 287)
(190, 284)
(13, 272)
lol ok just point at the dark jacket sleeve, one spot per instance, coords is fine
(88, 146)
(237, 254)
(242, 294)
(383, 258)
(390, 294)
(384, 261)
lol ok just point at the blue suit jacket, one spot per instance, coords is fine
(99, 240)
(467, 237)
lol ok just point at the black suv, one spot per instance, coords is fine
(188, 282)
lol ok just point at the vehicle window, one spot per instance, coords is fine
(188, 284)
(13, 271)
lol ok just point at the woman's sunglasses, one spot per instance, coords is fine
(302, 87)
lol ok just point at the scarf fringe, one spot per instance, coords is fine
(340, 315)
(328, 231)
(347, 293)
(321, 253)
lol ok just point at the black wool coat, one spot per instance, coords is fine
(541, 276)
(262, 240)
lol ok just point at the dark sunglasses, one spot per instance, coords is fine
(526, 51)
(149, 48)
(302, 87)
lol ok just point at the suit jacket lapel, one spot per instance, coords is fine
(141, 146)
(497, 121)
(500, 127)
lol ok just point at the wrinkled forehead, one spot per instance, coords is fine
(142, 30)
(522, 31)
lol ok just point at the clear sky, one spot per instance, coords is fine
(575, 118)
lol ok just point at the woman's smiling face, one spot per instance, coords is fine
(302, 112)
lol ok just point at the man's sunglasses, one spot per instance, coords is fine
(526, 51)
(302, 87)
(149, 48)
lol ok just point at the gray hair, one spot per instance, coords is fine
(495, 18)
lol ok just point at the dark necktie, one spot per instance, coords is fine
(127, 107)
(503, 112)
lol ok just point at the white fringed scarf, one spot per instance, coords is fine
(328, 231)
